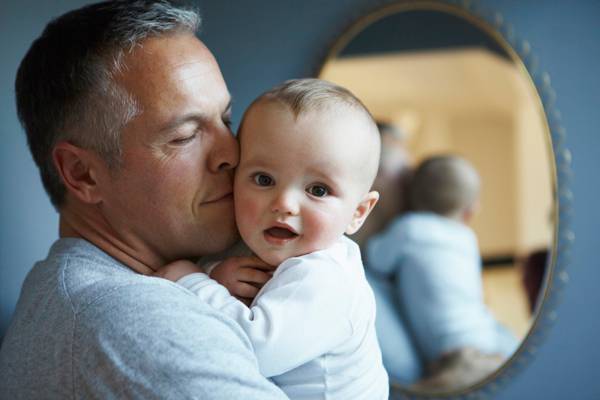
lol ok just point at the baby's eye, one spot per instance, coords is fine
(318, 190)
(263, 180)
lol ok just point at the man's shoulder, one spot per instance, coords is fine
(102, 294)
(144, 300)
(119, 334)
(152, 314)
(105, 295)
(163, 333)
(86, 277)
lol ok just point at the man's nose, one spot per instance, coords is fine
(225, 152)
(286, 203)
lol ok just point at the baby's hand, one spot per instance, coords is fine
(177, 270)
(243, 276)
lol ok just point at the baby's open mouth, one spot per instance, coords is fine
(280, 233)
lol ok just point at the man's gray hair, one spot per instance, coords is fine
(65, 88)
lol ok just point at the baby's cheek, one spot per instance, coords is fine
(247, 212)
(323, 227)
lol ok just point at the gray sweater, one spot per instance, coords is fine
(86, 326)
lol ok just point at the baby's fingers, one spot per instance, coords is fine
(243, 289)
(253, 275)
(255, 262)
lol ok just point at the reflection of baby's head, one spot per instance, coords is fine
(309, 152)
(446, 185)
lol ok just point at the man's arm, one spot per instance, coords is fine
(155, 341)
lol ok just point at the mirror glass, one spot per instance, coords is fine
(450, 310)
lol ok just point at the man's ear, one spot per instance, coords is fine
(78, 168)
(362, 212)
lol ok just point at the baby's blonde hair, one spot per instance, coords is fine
(311, 94)
(446, 185)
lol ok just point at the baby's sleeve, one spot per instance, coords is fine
(209, 290)
(300, 314)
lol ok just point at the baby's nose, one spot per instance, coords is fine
(285, 203)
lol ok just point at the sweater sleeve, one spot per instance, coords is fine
(300, 314)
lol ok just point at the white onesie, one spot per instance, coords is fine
(311, 325)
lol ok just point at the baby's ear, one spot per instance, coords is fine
(362, 212)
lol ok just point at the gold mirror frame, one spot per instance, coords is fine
(493, 24)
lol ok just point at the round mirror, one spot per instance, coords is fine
(456, 293)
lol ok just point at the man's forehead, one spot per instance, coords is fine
(171, 66)
(160, 56)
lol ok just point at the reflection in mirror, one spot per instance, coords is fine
(456, 290)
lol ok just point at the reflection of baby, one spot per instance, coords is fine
(309, 155)
(435, 258)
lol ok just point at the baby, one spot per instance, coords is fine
(309, 155)
(435, 259)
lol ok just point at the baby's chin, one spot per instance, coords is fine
(277, 257)
(274, 258)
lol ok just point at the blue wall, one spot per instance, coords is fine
(261, 43)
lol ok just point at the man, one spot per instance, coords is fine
(127, 117)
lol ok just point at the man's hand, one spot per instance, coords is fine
(177, 270)
(243, 276)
